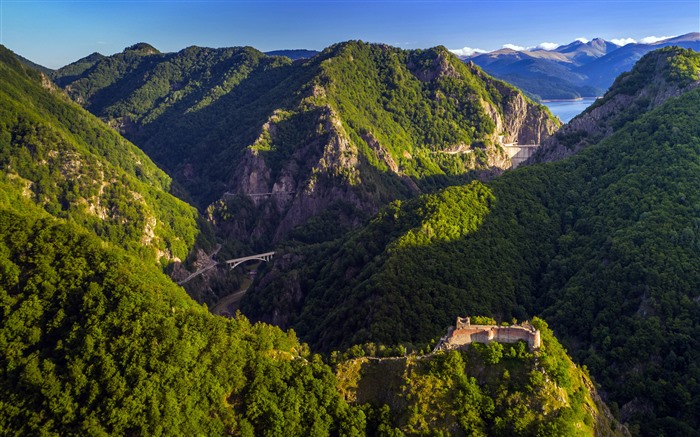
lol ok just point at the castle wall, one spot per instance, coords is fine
(465, 334)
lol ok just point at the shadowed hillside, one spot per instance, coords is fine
(603, 244)
(340, 134)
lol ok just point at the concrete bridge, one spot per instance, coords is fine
(267, 256)
(519, 153)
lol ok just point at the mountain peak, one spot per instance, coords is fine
(688, 37)
(142, 48)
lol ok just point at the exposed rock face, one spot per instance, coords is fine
(328, 168)
(645, 88)
(521, 121)
(439, 68)
(278, 143)
(320, 172)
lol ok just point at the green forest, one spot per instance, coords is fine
(374, 122)
(485, 390)
(73, 166)
(96, 340)
(603, 245)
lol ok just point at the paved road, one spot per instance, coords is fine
(212, 263)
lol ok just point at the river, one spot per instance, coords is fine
(568, 109)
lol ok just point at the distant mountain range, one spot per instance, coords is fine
(579, 69)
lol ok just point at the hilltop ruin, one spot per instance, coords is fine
(464, 333)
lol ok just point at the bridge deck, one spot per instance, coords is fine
(261, 256)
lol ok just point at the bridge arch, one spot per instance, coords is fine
(233, 263)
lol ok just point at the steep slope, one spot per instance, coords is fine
(494, 389)
(95, 340)
(33, 65)
(603, 244)
(348, 130)
(658, 76)
(73, 166)
(72, 71)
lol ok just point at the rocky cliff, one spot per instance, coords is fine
(334, 148)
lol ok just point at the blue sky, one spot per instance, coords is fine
(56, 32)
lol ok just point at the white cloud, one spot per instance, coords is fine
(548, 46)
(583, 40)
(623, 41)
(467, 51)
(513, 47)
(653, 39)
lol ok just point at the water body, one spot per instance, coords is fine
(568, 109)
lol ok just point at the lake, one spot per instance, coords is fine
(568, 109)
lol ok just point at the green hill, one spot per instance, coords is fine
(603, 245)
(495, 389)
(96, 340)
(66, 161)
(342, 133)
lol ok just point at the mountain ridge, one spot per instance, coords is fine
(89, 173)
(273, 146)
(659, 75)
(574, 70)
(601, 244)
(96, 340)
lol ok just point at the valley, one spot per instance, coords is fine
(226, 241)
(230, 303)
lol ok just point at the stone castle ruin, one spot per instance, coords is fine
(464, 333)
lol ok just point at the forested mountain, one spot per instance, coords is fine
(96, 340)
(579, 69)
(659, 75)
(294, 54)
(495, 389)
(604, 245)
(66, 161)
(339, 134)
(601, 72)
